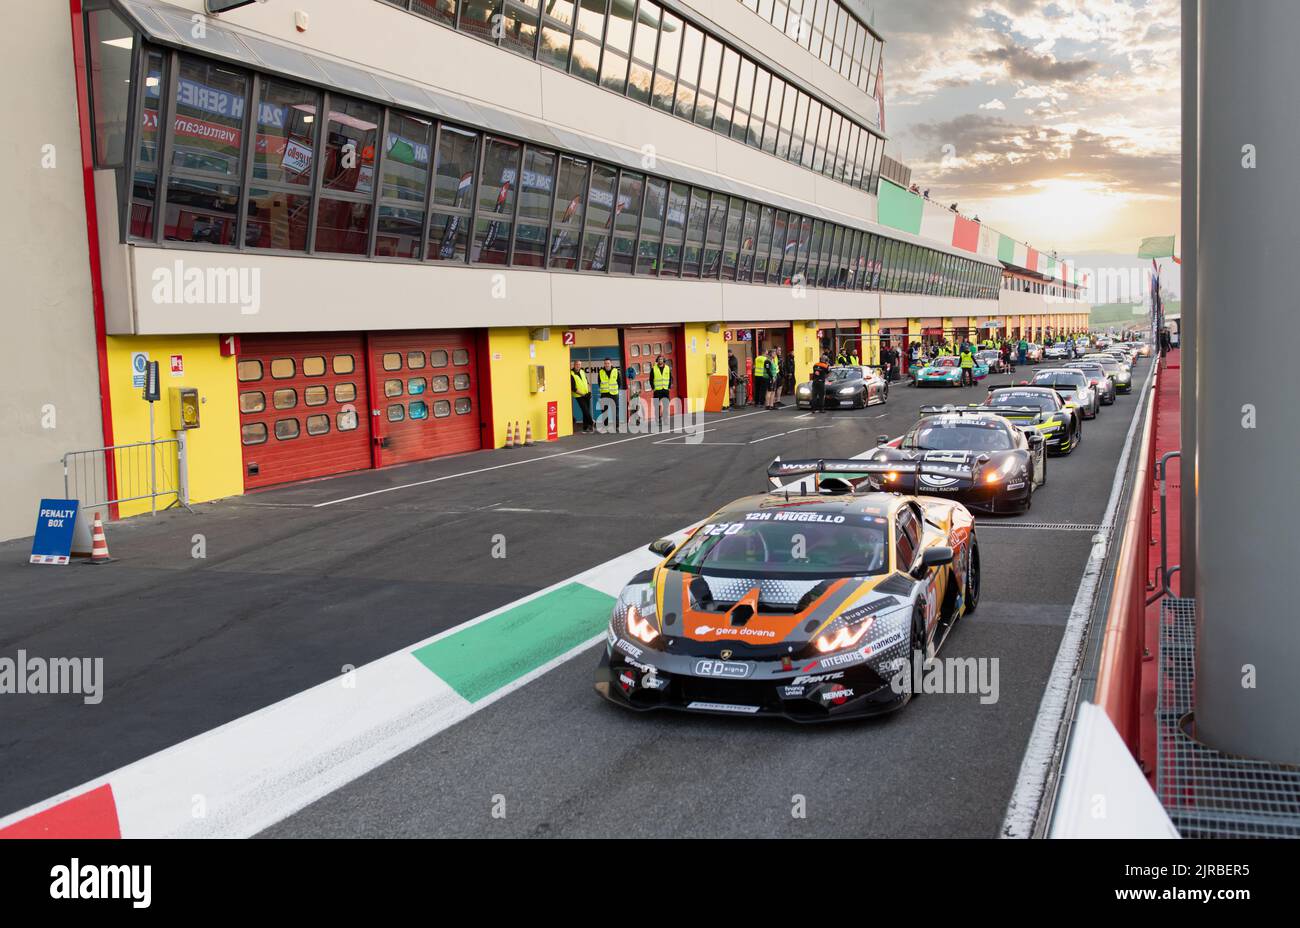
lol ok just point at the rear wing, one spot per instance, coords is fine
(780, 470)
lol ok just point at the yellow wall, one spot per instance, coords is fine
(871, 341)
(806, 349)
(215, 459)
(511, 352)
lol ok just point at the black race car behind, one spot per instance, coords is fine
(1041, 409)
(971, 454)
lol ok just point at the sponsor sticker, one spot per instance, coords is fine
(722, 707)
(730, 669)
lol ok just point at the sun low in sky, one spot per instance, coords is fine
(1055, 121)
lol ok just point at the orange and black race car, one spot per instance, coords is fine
(816, 602)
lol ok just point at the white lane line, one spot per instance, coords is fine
(1031, 783)
(766, 437)
(484, 470)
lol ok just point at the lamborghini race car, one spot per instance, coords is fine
(847, 386)
(996, 465)
(1042, 410)
(1119, 372)
(807, 605)
(946, 372)
(1098, 377)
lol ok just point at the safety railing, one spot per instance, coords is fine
(1119, 674)
(146, 470)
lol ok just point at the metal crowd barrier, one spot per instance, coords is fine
(149, 470)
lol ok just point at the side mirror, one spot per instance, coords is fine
(933, 557)
(1035, 439)
(881, 439)
(663, 547)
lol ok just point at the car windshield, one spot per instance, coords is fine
(786, 543)
(951, 434)
(947, 361)
(1110, 364)
(1060, 380)
(1023, 398)
(843, 373)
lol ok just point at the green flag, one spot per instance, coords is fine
(1159, 246)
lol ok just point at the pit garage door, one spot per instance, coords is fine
(640, 348)
(426, 391)
(303, 407)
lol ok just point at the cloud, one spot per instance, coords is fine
(994, 104)
(1023, 64)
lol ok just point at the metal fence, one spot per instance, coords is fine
(146, 470)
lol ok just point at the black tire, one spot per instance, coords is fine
(884, 396)
(916, 644)
(1043, 482)
(972, 581)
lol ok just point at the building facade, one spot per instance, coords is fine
(369, 232)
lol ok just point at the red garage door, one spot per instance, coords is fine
(426, 390)
(303, 407)
(640, 348)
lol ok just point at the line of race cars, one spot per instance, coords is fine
(827, 596)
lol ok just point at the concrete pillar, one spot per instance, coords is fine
(1186, 577)
(1247, 421)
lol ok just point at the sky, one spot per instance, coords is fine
(1056, 121)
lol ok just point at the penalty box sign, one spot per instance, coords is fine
(54, 522)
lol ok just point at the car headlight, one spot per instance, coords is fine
(1001, 472)
(635, 615)
(846, 636)
(846, 391)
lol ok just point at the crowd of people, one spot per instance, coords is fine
(773, 378)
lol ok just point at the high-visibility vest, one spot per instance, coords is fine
(853, 360)
(578, 383)
(660, 377)
(608, 381)
(967, 359)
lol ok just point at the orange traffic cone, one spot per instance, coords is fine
(528, 435)
(510, 436)
(99, 543)
(519, 438)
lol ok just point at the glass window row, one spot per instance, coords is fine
(641, 50)
(240, 169)
(829, 32)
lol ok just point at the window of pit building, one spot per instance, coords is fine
(344, 364)
(347, 177)
(652, 224)
(279, 200)
(600, 218)
(404, 183)
(313, 366)
(744, 99)
(453, 194)
(204, 170)
(568, 212)
(748, 234)
(695, 226)
(460, 382)
(417, 409)
(109, 47)
(247, 371)
(617, 46)
(757, 133)
(392, 387)
(316, 396)
(764, 246)
(519, 27)
(345, 392)
(346, 420)
(441, 409)
(463, 405)
(667, 56)
(639, 78)
(282, 368)
(392, 361)
(535, 189)
(627, 219)
(557, 33)
(252, 401)
(438, 358)
(679, 199)
(586, 40)
(460, 357)
(689, 72)
(284, 399)
(144, 176)
(731, 237)
(706, 101)
(286, 429)
(416, 385)
(318, 425)
(443, 11)
(254, 433)
(725, 108)
(396, 412)
(440, 384)
(497, 192)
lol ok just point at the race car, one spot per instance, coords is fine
(1119, 372)
(1073, 386)
(992, 359)
(1057, 351)
(847, 386)
(946, 372)
(1044, 411)
(807, 605)
(1006, 463)
(1035, 354)
(1098, 378)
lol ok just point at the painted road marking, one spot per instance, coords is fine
(484, 470)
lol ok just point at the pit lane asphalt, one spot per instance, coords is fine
(290, 592)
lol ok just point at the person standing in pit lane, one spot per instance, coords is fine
(819, 372)
(581, 391)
